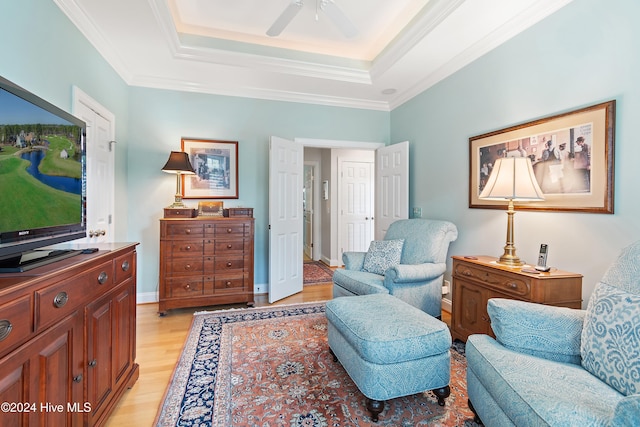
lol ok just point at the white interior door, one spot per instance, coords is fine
(356, 205)
(100, 167)
(285, 218)
(392, 186)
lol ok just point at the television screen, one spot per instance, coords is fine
(42, 171)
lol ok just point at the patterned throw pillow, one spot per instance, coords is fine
(611, 338)
(383, 254)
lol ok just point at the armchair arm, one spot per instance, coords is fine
(407, 273)
(353, 260)
(626, 412)
(540, 330)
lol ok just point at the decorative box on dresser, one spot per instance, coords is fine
(205, 261)
(68, 338)
(477, 279)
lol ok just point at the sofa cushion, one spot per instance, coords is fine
(611, 338)
(382, 254)
(385, 330)
(359, 282)
(536, 392)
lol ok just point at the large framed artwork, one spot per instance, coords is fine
(572, 155)
(216, 166)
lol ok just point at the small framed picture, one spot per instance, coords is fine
(216, 167)
(210, 208)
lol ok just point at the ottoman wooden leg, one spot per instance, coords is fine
(375, 407)
(441, 394)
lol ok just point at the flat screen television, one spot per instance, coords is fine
(42, 179)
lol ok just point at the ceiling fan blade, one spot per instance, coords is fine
(285, 18)
(339, 19)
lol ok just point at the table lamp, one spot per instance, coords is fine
(179, 164)
(512, 178)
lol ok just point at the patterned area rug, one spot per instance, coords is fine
(316, 272)
(272, 367)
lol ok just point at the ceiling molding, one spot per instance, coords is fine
(258, 93)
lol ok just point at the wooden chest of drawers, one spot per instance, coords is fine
(475, 281)
(205, 261)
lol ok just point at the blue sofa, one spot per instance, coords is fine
(416, 279)
(552, 366)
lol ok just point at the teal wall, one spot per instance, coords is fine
(160, 118)
(584, 54)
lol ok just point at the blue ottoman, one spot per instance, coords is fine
(389, 348)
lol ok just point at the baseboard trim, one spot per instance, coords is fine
(146, 297)
(446, 305)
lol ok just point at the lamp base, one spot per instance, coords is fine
(510, 260)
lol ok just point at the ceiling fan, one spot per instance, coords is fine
(335, 14)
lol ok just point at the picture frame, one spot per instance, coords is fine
(572, 155)
(216, 165)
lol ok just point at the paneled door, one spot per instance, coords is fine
(356, 205)
(285, 217)
(392, 186)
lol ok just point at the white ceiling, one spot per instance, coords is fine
(220, 47)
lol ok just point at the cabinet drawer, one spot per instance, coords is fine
(229, 283)
(186, 266)
(187, 248)
(227, 246)
(233, 229)
(184, 230)
(125, 267)
(62, 298)
(16, 322)
(223, 264)
(518, 286)
(184, 286)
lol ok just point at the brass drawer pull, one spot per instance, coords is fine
(229, 230)
(229, 264)
(513, 285)
(5, 328)
(188, 248)
(187, 231)
(187, 267)
(60, 300)
(187, 287)
(229, 246)
(228, 284)
(126, 266)
(102, 278)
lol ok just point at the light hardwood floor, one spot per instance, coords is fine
(159, 343)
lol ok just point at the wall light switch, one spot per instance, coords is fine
(417, 212)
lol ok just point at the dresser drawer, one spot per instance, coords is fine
(230, 229)
(184, 286)
(224, 264)
(125, 267)
(229, 283)
(62, 298)
(227, 246)
(184, 230)
(187, 248)
(517, 286)
(186, 266)
(16, 322)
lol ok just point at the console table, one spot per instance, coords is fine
(68, 338)
(205, 261)
(477, 279)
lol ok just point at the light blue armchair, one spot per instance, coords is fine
(416, 279)
(552, 366)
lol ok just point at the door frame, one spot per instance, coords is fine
(80, 97)
(316, 252)
(333, 196)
